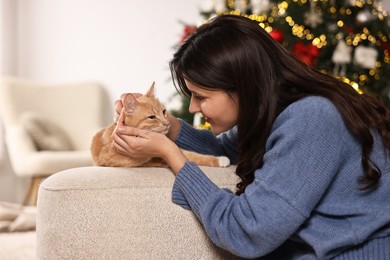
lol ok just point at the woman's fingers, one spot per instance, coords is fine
(120, 145)
(121, 120)
(118, 108)
(129, 145)
(128, 130)
(119, 140)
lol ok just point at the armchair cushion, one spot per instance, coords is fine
(46, 134)
(27, 162)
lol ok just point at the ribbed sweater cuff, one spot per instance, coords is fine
(195, 186)
(179, 199)
(377, 248)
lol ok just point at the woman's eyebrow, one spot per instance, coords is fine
(193, 92)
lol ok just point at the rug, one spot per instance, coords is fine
(18, 246)
(17, 231)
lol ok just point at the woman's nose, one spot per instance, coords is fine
(194, 107)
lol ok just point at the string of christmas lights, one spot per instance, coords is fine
(348, 39)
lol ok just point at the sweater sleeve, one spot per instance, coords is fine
(302, 157)
(205, 142)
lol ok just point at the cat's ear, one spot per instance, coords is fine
(129, 102)
(150, 92)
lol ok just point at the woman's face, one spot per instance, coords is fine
(219, 108)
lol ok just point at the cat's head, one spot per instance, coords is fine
(145, 112)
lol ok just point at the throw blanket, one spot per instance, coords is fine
(17, 218)
(2, 144)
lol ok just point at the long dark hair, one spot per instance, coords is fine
(235, 54)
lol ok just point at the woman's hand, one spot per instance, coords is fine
(139, 143)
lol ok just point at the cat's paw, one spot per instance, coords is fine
(223, 161)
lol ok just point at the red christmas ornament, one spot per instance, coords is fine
(188, 30)
(385, 46)
(277, 35)
(348, 29)
(306, 53)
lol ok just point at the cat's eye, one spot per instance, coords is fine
(164, 111)
(152, 117)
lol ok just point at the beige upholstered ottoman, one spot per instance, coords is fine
(120, 213)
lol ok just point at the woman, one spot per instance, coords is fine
(312, 154)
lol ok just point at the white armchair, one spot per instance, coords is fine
(48, 128)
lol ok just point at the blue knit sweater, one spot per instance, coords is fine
(304, 202)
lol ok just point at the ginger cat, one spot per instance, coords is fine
(145, 112)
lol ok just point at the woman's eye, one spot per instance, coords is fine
(152, 117)
(199, 97)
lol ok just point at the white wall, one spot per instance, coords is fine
(124, 44)
(386, 5)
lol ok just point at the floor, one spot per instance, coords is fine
(17, 246)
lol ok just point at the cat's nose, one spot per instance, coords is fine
(165, 123)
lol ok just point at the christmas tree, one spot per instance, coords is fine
(348, 39)
(345, 38)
